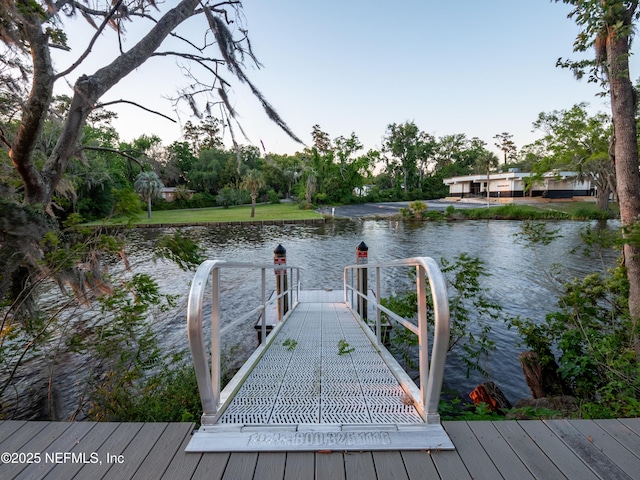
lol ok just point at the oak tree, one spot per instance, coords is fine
(30, 30)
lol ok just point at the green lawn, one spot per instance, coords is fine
(242, 213)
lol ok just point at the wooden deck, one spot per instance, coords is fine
(554, 449)
(520, 450)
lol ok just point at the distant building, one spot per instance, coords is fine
(511, 185)
(169, 193)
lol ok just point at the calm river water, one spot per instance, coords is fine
(513, 276)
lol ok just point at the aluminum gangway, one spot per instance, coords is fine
(322, 379)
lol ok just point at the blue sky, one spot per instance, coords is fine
(479, 68)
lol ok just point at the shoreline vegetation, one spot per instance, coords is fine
(513, 211)
(292, 212)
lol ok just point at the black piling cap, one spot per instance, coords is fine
(362, 247)
(280, 250)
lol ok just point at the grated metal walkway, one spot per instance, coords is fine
(321, 384)
(322, 368)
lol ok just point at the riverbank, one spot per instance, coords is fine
(265, 214)
(443, 209)
(290, 212)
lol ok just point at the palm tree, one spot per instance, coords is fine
(148, 185)
(253, 182)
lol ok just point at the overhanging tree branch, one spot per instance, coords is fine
(113, 150)
(101, 105)
(99, 31)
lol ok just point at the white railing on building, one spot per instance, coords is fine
(431, 375)
(208, 273)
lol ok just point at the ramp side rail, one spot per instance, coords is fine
(209, 379)
(431, 377)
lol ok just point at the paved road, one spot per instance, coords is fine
(390, 208)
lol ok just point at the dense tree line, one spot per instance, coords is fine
(410, 165)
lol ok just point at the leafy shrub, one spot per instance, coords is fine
(128, 203)
(512, 212)
(273, 197)
(202, 200)
(471, 314)
(590, 337)
(227, 197)
(417, 208)
(320, 198)
(450, 211)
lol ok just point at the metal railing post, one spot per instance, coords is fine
(215, 335)
(280, 263)
(441, 333)
(423, 339)
(263, 327)
(378, 312)
(362, 258)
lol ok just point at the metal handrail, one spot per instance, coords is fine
(430, 377)
(209, 380)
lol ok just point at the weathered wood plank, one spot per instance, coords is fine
(158, 459)
(113, 444)
(419, 465)
(300, 466)
(606, 449)
(359, 466)
(632, 424)
(622, 434)
(504, 458)
(600, 463)
(554, 448)
(330, 466)
(135, 452)
(55, 452)
(390, 466)
(449, 465)
(22, 435)
(43, 436)
(89, 444)
(241, 465)
(8, 427)
(475, 458)
(271, 465)
(529, 453)
(183, 464)
(609, 446)
(212, 466)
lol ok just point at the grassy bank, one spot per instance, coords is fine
(242, 213)
(545, 211)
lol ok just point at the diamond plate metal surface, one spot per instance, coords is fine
(306, 377)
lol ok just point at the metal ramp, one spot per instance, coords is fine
(320, 385)
(320, 381)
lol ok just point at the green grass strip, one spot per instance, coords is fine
(242, 213)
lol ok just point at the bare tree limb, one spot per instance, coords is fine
(99, 31)
(4, 139)
(194, 58)
(100, 105)
(113, 150)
